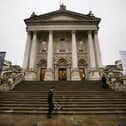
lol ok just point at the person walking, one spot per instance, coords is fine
(50, 102)
(104, 81)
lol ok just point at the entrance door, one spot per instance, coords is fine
(62, 74)
(42, 74)
(82, 74)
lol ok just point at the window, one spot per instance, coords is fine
(62, 44)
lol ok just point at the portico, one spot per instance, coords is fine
(56, 44)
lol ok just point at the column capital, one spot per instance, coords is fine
(35, 32)
(73, 31)
(28, 31)
(96, 32)
(51, 31)
(90, 32)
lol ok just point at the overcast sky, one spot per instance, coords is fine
(112, 33)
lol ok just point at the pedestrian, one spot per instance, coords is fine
(50, 102)
(104, 84)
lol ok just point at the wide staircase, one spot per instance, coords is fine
(76, 97)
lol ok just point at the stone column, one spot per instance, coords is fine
(75, 71)
(33, 51)
(27, 51)
(68, 73)
(97, 50)
(56, 73)
(49, 71)
(92, 60)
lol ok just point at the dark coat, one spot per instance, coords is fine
(50, 97)
(104, 80)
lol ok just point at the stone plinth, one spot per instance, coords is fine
(4, 88)
(30, 75)
(75, 74)
(49, 76)
(94, 74)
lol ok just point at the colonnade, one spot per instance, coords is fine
(31, 50)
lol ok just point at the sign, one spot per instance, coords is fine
(123, 58)
(2, 56)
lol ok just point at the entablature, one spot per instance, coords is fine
(62, 28)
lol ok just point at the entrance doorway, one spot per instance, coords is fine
(82, 74)
(62, 74)
(42, 74)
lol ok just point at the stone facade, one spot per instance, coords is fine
(62, 45)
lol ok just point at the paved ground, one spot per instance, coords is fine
(87, 120)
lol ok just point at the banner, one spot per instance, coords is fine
(2, 56)
(123, 58)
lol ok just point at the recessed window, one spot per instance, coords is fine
(62, 50)
(43, 51)
(80, 50)
(62, 43)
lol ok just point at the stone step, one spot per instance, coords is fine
(67, 100)
(65, 94)
(63, 91)
(63, 99)
(92, 112)
(66, 105)
(75, 108)
(76, 97)
(62, 96)
(59, 85)
(62, 102)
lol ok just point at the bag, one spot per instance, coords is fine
(57, 108)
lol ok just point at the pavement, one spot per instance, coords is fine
(63, 120)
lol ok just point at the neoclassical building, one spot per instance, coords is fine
(62, 45)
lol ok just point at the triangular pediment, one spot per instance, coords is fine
(61, 15)
(62, 18)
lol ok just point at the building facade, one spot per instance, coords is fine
(62, 45)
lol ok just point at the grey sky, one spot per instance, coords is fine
(112, 33)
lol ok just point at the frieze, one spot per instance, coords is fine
(61, 27)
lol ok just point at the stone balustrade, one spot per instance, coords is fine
(10, 82)
(116, 82)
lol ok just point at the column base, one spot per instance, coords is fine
(94, 74)
(75, 74)
(49, 75)
(30, 75)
